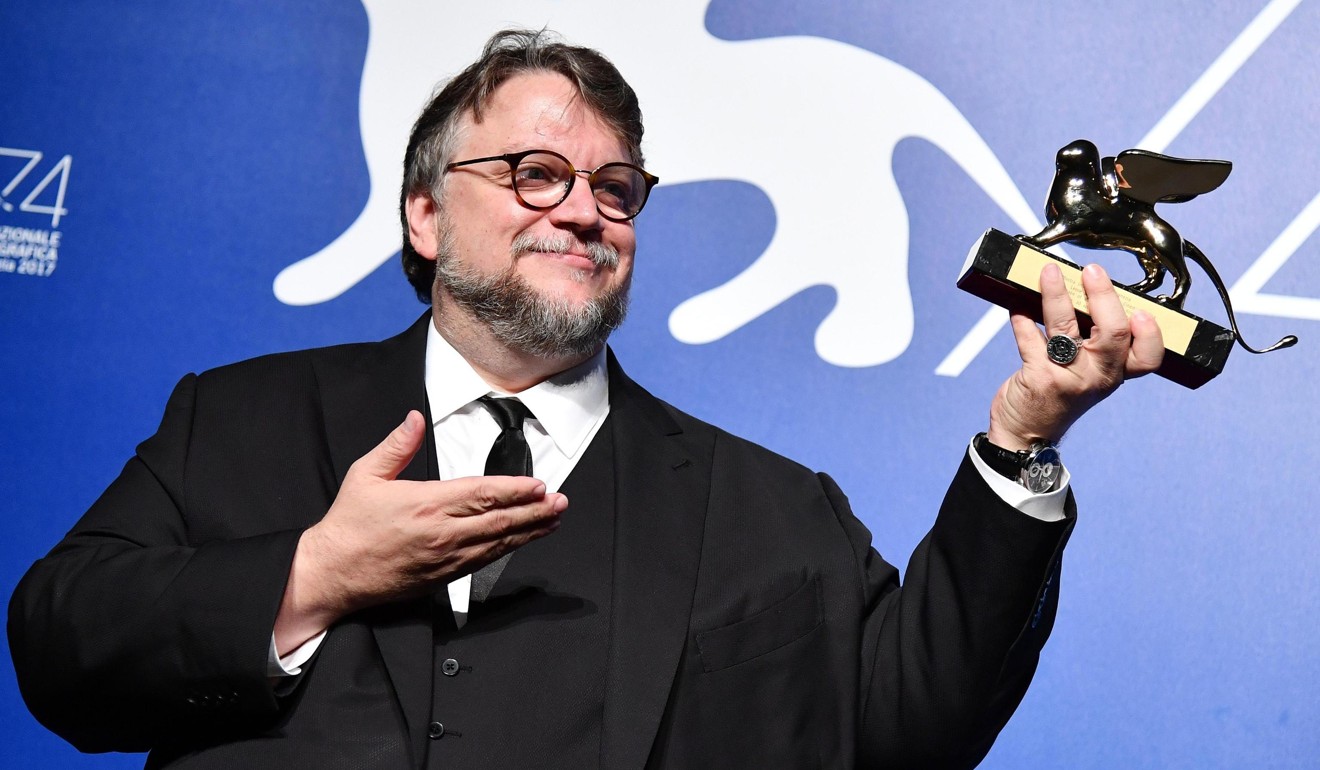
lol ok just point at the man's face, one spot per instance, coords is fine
(485, 238)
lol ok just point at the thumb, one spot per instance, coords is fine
(392, 455)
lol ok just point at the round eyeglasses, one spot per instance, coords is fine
(543, 179)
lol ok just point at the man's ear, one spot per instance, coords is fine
(422, 225)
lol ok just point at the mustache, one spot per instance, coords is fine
(600, 254)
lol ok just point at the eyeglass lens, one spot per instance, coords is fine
(542, 180)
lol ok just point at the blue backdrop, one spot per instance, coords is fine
(183, 185)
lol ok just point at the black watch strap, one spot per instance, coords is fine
(1005, 462)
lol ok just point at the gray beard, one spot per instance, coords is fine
(526, 320)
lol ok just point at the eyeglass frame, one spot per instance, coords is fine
(514, 158)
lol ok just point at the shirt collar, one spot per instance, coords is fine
(567, 405)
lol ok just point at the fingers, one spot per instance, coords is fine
(1030, 342)
(480, 539)
(388, 458)
(1147, 352)
(1105, 308)
(489, 507)
(1057, 309)
(1111, 334)
(512, 524)
(1114, 346)
(476, 495)
(398, 538)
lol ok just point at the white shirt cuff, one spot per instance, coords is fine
(1046, 506)
(291, 664)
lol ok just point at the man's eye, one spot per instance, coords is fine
(534, 175)
(613, 193)
(623, 191)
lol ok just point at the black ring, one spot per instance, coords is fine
(1062, 349)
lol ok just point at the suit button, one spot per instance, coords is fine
(435, 730)
(449, 667)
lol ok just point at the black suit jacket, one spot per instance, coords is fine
(753, 625)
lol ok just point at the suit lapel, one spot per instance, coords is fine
(367, 390)
(663, 478)
(365, 395)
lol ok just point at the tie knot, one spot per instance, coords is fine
(508, 412)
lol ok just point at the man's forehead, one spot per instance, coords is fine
(533, 106)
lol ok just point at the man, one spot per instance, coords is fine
(269, 583)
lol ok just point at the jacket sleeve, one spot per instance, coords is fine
(133, 630)
(946, 658)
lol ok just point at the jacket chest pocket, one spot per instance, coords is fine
(778, 625)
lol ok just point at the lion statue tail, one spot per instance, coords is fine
(1199, 258)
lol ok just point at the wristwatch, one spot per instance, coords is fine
(1037, 468)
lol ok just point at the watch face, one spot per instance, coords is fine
(1042, 471)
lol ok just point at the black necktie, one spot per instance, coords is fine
(509, 456)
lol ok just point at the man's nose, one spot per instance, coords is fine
(579, 208)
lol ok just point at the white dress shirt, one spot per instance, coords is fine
(567, 410)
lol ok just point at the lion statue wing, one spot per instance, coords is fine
(1153, 178)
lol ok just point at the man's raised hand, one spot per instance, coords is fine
(1043, 399)
(385, 539)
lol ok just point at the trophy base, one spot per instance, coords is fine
(1006, 271)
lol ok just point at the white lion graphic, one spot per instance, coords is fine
(714, 110)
